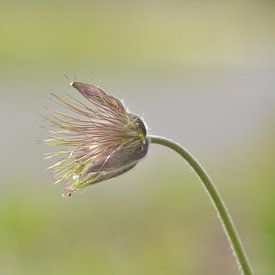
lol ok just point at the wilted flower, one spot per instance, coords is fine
(100, 141)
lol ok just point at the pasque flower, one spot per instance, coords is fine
(99, 141)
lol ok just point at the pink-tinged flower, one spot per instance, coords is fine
(101, 140)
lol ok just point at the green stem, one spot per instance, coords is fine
(216, 199)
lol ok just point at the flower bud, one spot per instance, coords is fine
(99, 141)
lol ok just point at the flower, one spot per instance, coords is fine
(101, 140)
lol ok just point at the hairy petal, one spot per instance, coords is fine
(99, 97)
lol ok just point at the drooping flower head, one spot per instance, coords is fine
(99, 141)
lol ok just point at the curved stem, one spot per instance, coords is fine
(215, 198)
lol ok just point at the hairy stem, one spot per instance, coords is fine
(216, 199)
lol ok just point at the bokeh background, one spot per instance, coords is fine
(200, 72)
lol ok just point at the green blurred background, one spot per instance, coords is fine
(200, 72)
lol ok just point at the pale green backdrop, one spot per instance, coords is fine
(201, 72)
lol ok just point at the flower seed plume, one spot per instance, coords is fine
(98, 141)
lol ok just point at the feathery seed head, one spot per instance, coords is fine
(101, 140)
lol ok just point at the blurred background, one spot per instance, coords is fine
(200, 72)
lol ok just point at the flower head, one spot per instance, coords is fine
(101, 140)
